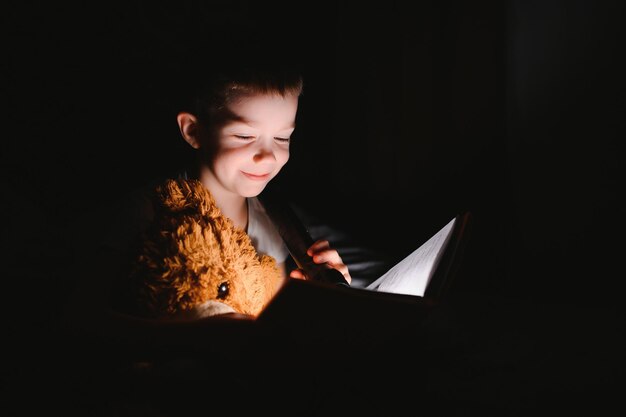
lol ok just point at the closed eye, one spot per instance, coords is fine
(282, 140)
(244, 137)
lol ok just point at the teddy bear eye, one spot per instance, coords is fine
(222, 290)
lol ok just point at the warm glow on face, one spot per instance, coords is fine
(254, 146)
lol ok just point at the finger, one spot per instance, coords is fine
(297, 274)
(346, 274)
(330, 256)
(341, 267)
(318, 246)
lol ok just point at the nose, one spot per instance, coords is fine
(264, 153)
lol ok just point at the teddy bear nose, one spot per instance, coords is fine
(223, 290)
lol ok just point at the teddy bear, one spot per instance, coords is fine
(194, 263)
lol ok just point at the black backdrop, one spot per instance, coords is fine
(411, 112)
(402, 123)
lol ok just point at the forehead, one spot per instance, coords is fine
(263, 108)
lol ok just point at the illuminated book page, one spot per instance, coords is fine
(412, 274)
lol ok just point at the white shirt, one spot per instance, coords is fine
(265, 238)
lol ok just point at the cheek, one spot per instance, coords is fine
(282, 156)
(229, 159)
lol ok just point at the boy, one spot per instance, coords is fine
(241, 128)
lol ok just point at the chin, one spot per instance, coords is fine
(253, 191)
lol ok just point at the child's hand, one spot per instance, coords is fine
(322, 253)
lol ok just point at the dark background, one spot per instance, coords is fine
(412, 112)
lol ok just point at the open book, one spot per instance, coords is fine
(318, 311)
(324, 311)
(426, 272)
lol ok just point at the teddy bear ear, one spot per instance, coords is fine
(177, 195)
(180, 194)
(171, 196)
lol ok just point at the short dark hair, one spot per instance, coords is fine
(246, 63)
(219, 87)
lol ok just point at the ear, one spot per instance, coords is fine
(189, 128)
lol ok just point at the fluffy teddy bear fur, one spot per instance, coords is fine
(193, 262)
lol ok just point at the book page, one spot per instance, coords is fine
(412, 274)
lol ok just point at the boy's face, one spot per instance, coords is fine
(253, 144)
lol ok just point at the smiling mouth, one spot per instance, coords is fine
(256, 177)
